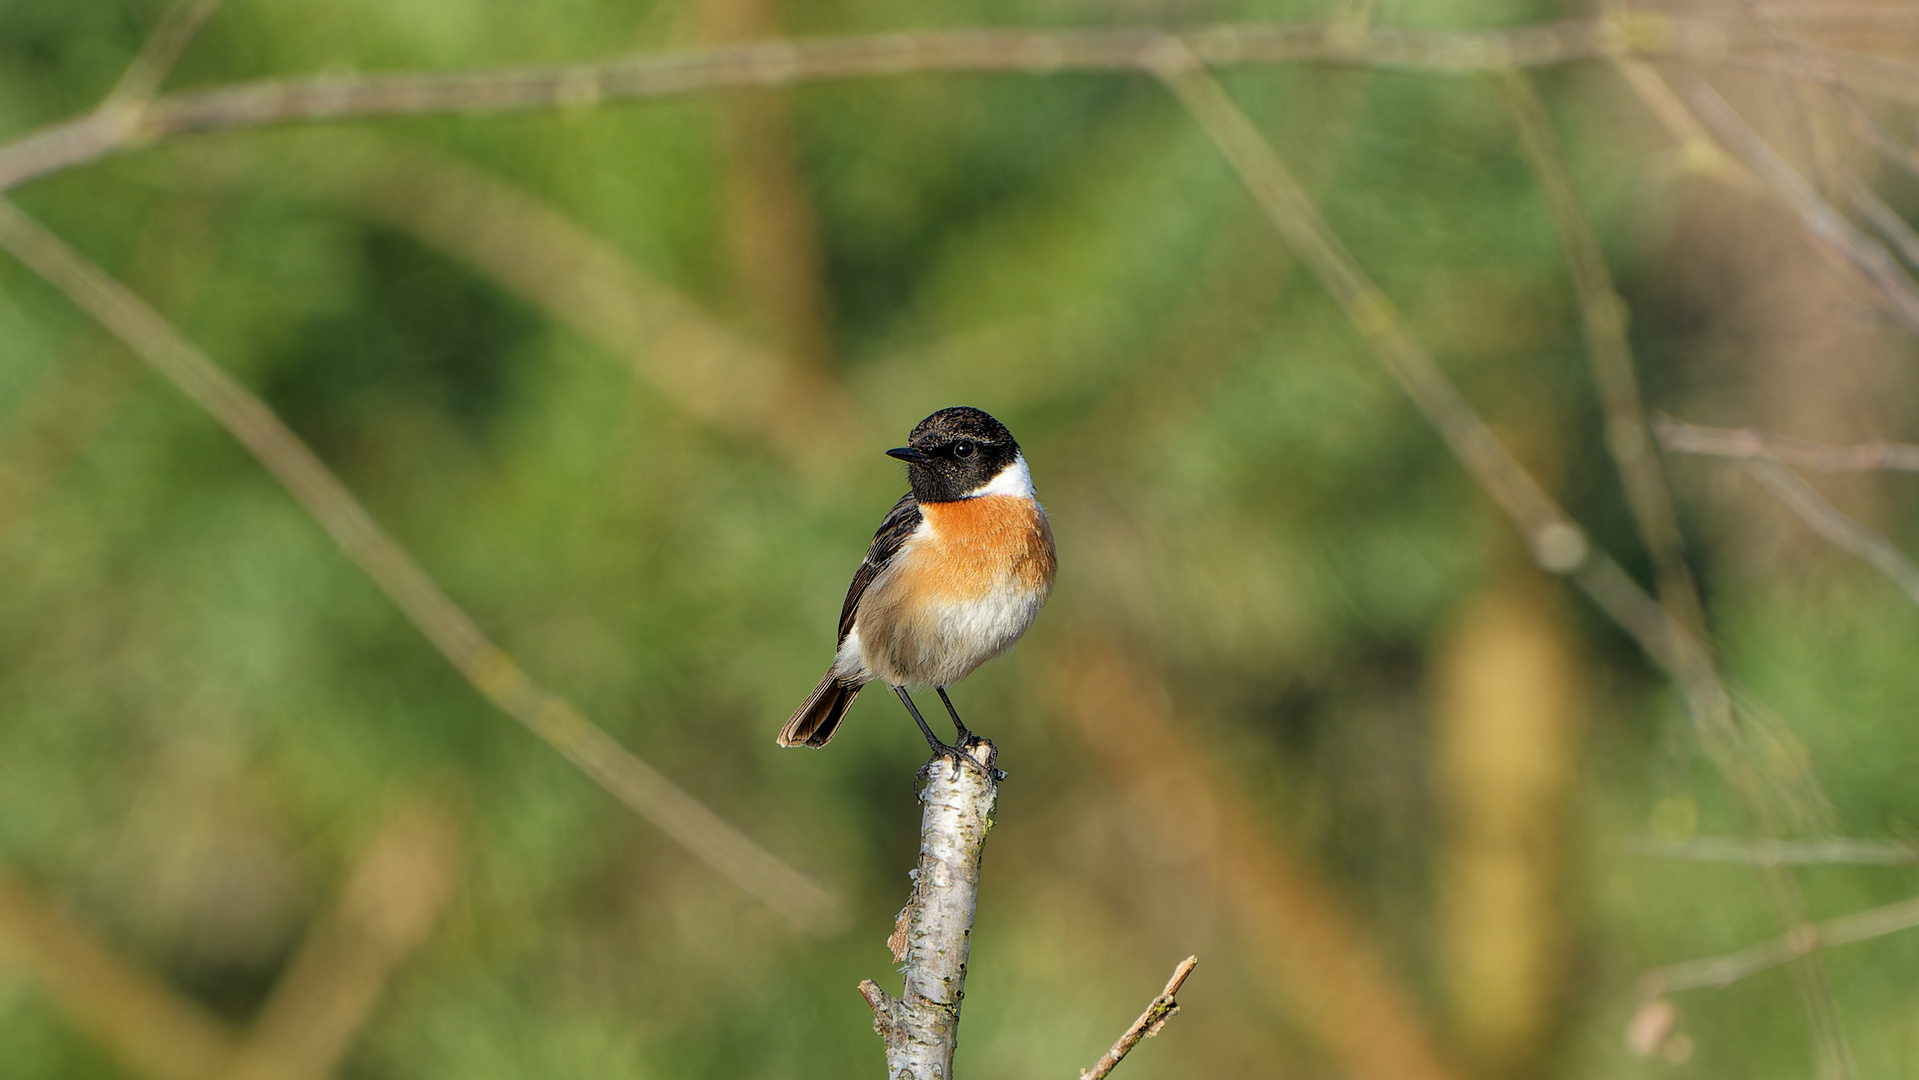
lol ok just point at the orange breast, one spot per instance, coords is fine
(974, 546)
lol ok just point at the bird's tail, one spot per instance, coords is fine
(819, 715)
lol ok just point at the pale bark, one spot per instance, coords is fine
(934, 932)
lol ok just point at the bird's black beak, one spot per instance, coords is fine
(908, 455)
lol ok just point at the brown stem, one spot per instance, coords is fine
(779, 63)
(1158, 1011)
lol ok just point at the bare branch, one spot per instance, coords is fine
(1299, 935)
(1801, 940)
(1890, 284)
(1558, 544)
(145, 1023)
(933, 935)
(1836, 850)
(683, 818)
(1800, 497)
(1818, 457)
(779, 63)
(1158, 1011)
(1829, 522)
(157, 56)
(1603, 318)
(391, 900)
(1883, 217)
(1695, 142)
(585, 283)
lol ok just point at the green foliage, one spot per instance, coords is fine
(206, 709)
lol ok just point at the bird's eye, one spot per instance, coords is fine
(962, 449)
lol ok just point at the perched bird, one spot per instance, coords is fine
(955, 575)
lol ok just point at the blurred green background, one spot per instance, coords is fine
(1300, 704)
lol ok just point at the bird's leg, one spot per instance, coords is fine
(964, 738)
(940, 749)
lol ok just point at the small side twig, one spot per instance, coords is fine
(157, 56)
(1800, 497)
(1801, 940)
(932, 937)
(1799, 453)
(1834, 850)
(1897, 292)
(1827, 520)
(1162, 1009)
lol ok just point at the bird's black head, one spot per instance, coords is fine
(957, 452)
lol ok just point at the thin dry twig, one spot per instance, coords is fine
(158, 54)
(682, 817)
(583, 282)
(780, 63)
(1158, 1011)
(1695, 142)
(1833, 850)
(1300, 935)
(1558, 544)
(1603, 319)
(1883, 218)
(1898, 295)
(398, 885)
(1801, 940)
(1827, 520)
(390, 903)
(1800, 497)
(1799, 453)
(143, 1022)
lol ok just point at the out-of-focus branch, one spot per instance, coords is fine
(1801, 940)
(1799, 453)
(394, 893)
(1868, 73)
(1799, 496)
(933, 934)
(141, 1021)
(1158, 1011)
(683, 818)
(1836, 850)
(1894, 288)
(1695, 142)
(1602, 316)
(1299, 935)
(532, 249)
(1829, 522)
(61, 415)
(162, 49)
(393, 897)
(74, 402)
(779, 63)
(1557, 543)
(1883, 218)
(771, 227)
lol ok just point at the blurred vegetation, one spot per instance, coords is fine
(1300, 700)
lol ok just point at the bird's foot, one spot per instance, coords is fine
(969, 751)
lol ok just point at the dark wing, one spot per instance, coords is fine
(899, 524)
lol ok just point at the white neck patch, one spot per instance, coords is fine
(1015, 479)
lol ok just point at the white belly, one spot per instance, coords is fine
(939, 644)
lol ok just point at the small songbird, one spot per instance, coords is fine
(956, 573)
